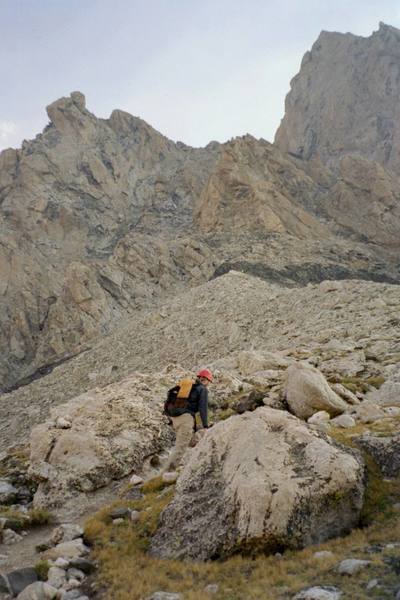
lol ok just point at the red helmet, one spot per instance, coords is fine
(205, 373)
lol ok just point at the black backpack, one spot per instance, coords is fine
(177, 401)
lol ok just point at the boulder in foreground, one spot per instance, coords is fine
(260, 481)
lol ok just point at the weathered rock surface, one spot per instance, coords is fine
(38, 591)
(389, 393)
(321, 120)
(112, 431)
(324, 592)
(308, 392)
(79, 206)
(262, 481)
(384, 450)
(251, 314)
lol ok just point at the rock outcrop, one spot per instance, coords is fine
(308, 392)
(344, 100)
(325, 324)
(101, 217)
(260, 481)
(99, 436)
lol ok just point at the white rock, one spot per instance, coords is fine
(136, 480)
(134, 516)
(212, 588)
(56, 577)
(351, 566)
(76, 574)
(367, 412)
(67, 550)
(344, 421)
(323, 554)
(114, 428)
(63, 423)
(319, 417)
(165, 596)
(344, 393)
(249, 362)
(251, 459)
(10, 537)
(66, 533)
(61, 562)
(319, 593)
(170, 477)
(72, 584)
(372, 584)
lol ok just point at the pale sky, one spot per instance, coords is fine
(196, 70)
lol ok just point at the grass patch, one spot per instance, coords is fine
(42, 569)
(127, 572)
(355, 384)
(33, 518)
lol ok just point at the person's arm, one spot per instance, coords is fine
(203, 406)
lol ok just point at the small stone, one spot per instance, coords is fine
(56, 577)
(319, 417)
(76, 574)
(371, 584)
(62, 423)
(170, 477)
(72, 584)
(118, 521)
(136, 480)
(319, 593)
(67, 550)
(119, 513)
(10, 537)
(135, 516)
(75, 594)
(344, 421)
(165, 596)
(61, 562)
(351, 566)
(323, 554)
(66, 533)
(212, 588)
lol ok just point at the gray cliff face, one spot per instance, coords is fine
(344, 100)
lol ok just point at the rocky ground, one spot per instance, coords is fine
(327, 352)
(346, 328)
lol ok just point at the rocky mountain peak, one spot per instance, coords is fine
(344, 100)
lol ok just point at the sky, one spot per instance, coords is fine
(196, 70)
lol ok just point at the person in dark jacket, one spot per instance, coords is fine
(184, 424)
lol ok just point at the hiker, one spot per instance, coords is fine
(182, 411)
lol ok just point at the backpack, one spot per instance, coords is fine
(177, 401)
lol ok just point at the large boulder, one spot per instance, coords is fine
(260, 481)
(112, 430)
(308, 392)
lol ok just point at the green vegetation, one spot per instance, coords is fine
(33, 518)
(42, 569)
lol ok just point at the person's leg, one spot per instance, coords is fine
(183, 427)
